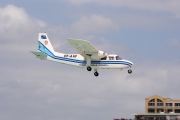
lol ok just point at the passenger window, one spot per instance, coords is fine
(111, 58)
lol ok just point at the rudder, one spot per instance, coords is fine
(45, 42)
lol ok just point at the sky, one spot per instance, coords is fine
(145, 32)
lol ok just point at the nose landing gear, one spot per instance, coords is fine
(129, 71)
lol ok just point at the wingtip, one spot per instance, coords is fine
(31, 51)
(69, 38)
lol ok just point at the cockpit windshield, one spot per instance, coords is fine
(118, 58)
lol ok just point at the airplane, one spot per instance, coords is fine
(89, 57)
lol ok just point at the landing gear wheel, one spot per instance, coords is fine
(96, 74)
(129, 71)
(89, 68)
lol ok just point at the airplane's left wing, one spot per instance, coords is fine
(39, 55)
(83, 46)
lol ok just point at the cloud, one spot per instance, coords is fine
(15, 22)
(156, 15)
(60, 93)
(174, 42)
(94, 24)
(153, 5)
(41, 90)
(19, 31)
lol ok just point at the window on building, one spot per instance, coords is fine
(159, 104)
(169, 110)
(177, 104)
(177, 111)
(150, 104)
(152, 100)
(158, 100)
(160, 110)
(151, 111)
(168, 104)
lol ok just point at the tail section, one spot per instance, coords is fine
(43, 38)
(45, 44)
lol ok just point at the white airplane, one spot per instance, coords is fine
(89, 57)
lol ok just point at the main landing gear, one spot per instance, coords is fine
(89, 68)
(129, 71)
(95, 71)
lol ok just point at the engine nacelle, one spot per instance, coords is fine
(99, 55)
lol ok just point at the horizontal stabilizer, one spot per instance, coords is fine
(39, 55)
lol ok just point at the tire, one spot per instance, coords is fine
(129, 71)
(96, 74)
(89, 68)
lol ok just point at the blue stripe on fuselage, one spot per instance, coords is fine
(43, 49)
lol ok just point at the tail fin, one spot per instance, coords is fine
(45, 44)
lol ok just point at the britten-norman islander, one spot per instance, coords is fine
(89, 57)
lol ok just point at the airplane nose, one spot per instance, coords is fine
(131, 63)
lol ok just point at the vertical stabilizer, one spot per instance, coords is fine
(45, 42)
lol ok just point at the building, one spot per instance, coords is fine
(157, 104)
(157, 116)
(159, 108)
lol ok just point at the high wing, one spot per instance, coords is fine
(39, 55)
(87, 50)
(83, 46)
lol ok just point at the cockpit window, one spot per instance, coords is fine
(104, 58)
(118, 58)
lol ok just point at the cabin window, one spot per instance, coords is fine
(118, 58)
(104, 58)
(111, 58)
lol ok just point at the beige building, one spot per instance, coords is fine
(158, 104)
